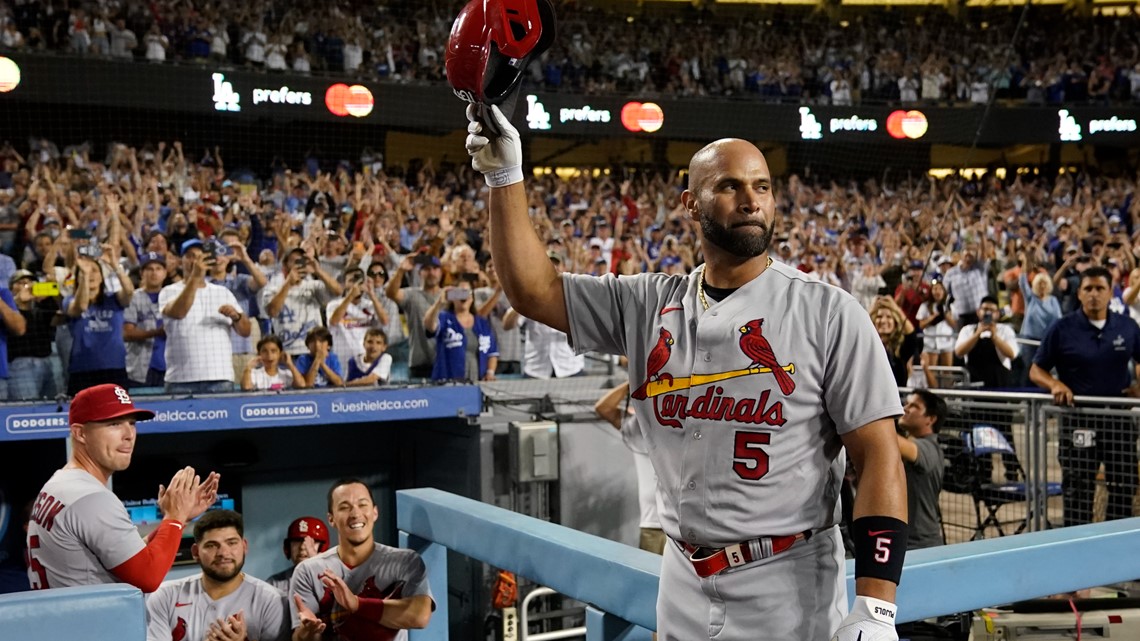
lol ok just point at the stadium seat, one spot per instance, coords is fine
(983, 441)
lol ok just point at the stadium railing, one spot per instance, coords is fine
(619, 583)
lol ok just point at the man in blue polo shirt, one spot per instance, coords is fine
(1091, 349)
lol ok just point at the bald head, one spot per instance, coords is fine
(712, 158)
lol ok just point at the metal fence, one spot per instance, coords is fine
(1018, 462)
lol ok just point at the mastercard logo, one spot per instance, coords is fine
(907, 124)
(9, 74)
(343, 100)
(642, 116)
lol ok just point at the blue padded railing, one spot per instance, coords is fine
(92, 613)
(620, 582)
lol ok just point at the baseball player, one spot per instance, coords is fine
(612, 408)
(306, 537)
(359, 590)
(80, 533)
(222, 603)
(750, 381)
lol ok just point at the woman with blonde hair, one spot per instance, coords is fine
(1041, 310)
(900, 338)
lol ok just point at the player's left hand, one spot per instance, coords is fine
(232, 628)
(340, 591)
(207, 493)
(311, 626)
(870, 619)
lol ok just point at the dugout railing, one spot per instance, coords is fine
(619, 583)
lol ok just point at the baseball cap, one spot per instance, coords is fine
(227, 183)
(51, 220)
(917, 264)
(19, 275)
(597, 242)
(945, 260)
(428, 260)
(152, 257)
(103, 403)
(193, 242)
(669, 261)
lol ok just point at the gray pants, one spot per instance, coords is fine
(797, 595)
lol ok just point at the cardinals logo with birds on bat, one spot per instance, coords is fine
(670, 405)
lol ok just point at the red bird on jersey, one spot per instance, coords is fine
(756, 347)
(659, 355)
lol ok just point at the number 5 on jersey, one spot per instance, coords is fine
(750, 461)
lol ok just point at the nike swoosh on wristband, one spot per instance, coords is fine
(877, 533)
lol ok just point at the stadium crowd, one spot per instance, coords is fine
(360, 276)
(926, 56)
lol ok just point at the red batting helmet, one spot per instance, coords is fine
(309, 526)
(491, 43)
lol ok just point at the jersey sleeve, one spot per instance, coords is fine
(416, 581)
(859, 386)
(273, 623)
(600, 309)
(159, 612)
(304, 584)
(103, 525)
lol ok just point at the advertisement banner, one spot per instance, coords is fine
(233, 95)
(31, 422)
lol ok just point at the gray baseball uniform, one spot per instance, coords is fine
(743, 451)
(180, 610)
(390, 573)
(79, 530)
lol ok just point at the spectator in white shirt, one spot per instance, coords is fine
(123, 40)
(293, 301)
(254, 41)
(272, 368)
(547, 352)
(353, 314)
(156, 44)
(198, 316)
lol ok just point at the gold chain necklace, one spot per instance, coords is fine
(701, 284)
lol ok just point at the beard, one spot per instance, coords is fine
(742, 242)
(222, 576)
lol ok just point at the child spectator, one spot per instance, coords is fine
(320, 367)
(272, 368)
(374, 366)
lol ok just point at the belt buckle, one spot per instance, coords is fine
(734, 555)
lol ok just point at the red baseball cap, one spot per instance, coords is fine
(103, 403)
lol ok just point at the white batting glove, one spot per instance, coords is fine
(870, 619)
(499, 159)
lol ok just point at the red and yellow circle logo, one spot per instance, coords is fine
(907, 124)
(642, 116)
(343, 100)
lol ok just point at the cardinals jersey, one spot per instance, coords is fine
(390, 573)
(180, 610)
(740, 450)
(78, 530)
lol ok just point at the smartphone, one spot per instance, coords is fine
(46, 289)
(459, 293)
(79, 233)
(988, 317)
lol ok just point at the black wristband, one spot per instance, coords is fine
(880, 547)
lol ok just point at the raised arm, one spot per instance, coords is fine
(532, 284)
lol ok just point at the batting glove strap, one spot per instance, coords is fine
(498, 158)
(870, 619)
